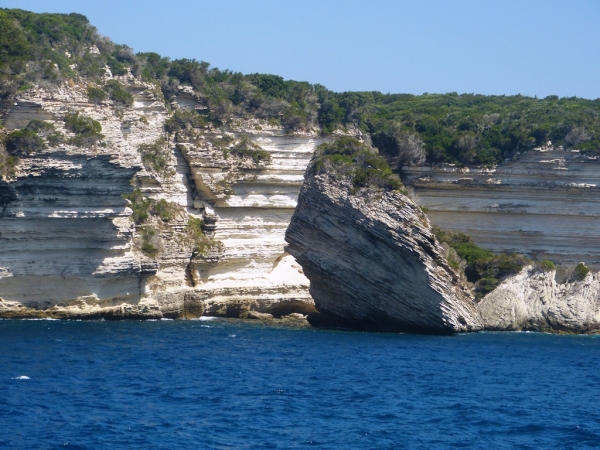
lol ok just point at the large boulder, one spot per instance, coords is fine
(372, 259)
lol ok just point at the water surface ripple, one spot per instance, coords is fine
(231, 384)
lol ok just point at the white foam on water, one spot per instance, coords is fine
(41, 318)
(22, 377)
(205, 318)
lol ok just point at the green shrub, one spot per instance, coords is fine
(25, 141)
(140, 205)
(40, 127)
(155, 157)
(85, 140)
(8, 164)
(80, 124)
(96, 95)
(245, 148)
(55, 139)
(87, 130)
(348, 158)
(454, 264)
(195, 226)
(143, 207)
(483, 268)
(195, 233)
(546, 265)
(117, 94)
(184, 119)
(148, 234)
(165, 210)
(486, 285)
(580, 272)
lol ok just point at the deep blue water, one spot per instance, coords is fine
(233, 384)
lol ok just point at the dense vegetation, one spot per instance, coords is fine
(348, 158)
(463, 129)
(481, 267)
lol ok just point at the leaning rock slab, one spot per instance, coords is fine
(373, 262)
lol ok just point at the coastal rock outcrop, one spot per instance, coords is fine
(69, 246)
(533, 300)
(373, 262)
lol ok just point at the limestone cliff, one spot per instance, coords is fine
(543, 204)
(69, 246)
(373, 262)
(533, 300)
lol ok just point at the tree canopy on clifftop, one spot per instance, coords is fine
(453, 128)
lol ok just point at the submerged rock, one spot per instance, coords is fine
(373, 262)
(533, 300)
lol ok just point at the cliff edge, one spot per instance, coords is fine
(369, 252)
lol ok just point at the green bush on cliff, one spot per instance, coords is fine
(546, 265)
(143, 207)
(245, 148)
(29, 139)
(117, 93)
(96, 95)
(25, 141)
(195, 233)
(184, 120)
(140, 205)
(8, 163)
(87, 130)
(80, 124)
(148, 247)
(580, 272)
(350, 159)
(483, 268)
(156, 156)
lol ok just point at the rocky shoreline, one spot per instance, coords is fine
(70, 250)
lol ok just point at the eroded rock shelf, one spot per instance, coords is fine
(546, 204)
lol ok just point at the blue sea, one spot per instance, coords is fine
(223, 384)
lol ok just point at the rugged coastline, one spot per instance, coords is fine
(133, 186)
(64, 209)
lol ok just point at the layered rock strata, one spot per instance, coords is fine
(68, 246)
(65, 233)
(544, 204)
(248, 206)
(533, 300)
(373, 262)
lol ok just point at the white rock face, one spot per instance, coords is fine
(374, 263)
(545, 205)
(67, 243)
(533, 300)
(65, 233)
(249, 206)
